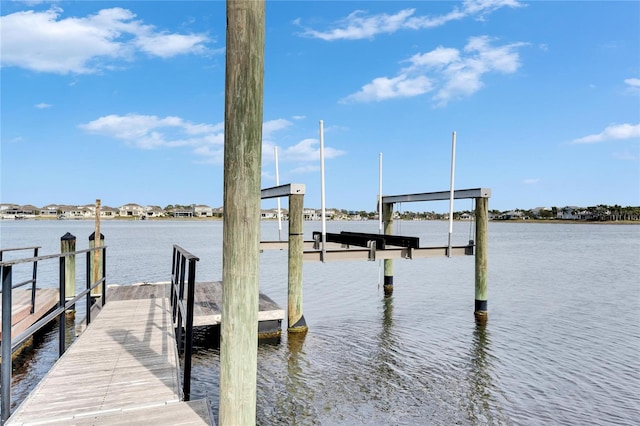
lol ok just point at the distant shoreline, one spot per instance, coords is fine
(205, 219)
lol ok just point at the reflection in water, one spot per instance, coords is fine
(299, 395)
(482, 405)
(385, 359)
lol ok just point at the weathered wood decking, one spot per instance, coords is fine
(124, 368)
(21, 318)
(208, 299)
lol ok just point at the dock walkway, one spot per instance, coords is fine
(123, 369)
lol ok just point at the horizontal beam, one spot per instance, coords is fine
(399, 253)
(389, 240)
(351, 240)
(438, 196)
(284, 245)
(282, 190)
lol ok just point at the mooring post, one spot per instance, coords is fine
(296, 321)
(244, 92)
(68, 245)
(387, 218)
(482, 219)
(96, 263)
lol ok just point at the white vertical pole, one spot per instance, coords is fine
(275, 152)
(322, 193)
(453, 168)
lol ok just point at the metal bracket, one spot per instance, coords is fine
(407, 253)
(372, 250)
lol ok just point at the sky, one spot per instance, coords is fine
(123, 101)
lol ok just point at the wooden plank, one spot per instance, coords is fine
(21, 319)
(208, 300)
(134, 344)
(178, 414)
(397, 253)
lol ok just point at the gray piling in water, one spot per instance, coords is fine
(95, 263)
(296, 321)
(482, 219)
(68, 245)
(387, 218)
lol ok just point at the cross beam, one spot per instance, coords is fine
(438, 196)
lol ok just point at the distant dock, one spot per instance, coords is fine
(21, 315)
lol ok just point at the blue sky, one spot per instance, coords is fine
(124, 101)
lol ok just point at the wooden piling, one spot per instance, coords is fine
(97, 259)
(68, 245)
(244, 89)
(482, 219)
(387, 218)
(96, 263)
(296, 321)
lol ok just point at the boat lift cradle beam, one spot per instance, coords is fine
(282, 191)
(438, 196)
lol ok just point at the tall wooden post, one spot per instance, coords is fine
(387, 218)
(244, 91)
(482, 219)
(296, 319)
(96, 263)
(68, 245)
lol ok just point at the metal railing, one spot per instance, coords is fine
(34, 275)
(183, 265)
(10, 343)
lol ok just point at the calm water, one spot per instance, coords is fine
(562, 345)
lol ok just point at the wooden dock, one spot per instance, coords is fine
(124, 368)
(21, 317)
(208, 299)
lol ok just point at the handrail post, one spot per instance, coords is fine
(62, 318)
(188, 350)
(180, 298)
(33, 283)
(88, 281)
(104, 275)
(174, 274)
(6, 341)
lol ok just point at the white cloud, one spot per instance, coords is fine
(150, 131)
(633, 86)
(358, 25)
(269, 127)
(46, 42)
(383, 88)
(612, 132)
(452, 73)
(43, 105)
(633, 82)
(308, 150)
(206, 140)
